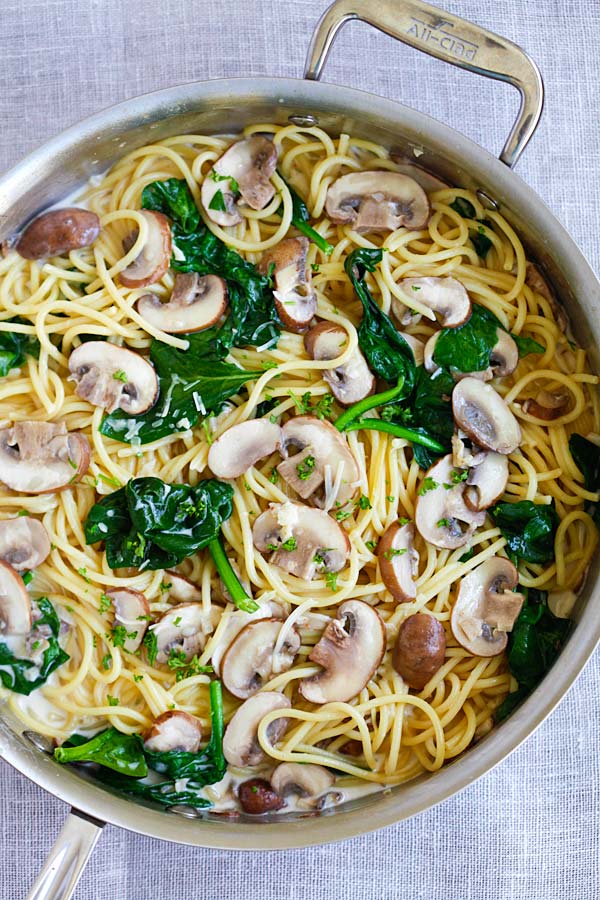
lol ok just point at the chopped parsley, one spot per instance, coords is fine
(290, 544)
(321, 409)
(184, 667)
(363, 502)
(150, 642)
(331, 581)
(305, 468)
(112, 701)
(342, 514)
(443, 523)
(214, 176)
(218, 202)
(165, 586)
(274, 476)
(403, 520)
(372, 545)
(107, 661)
(391, 553)
(83, 572)
(137, 678)
(120, 376)
(458, 477)
(429, 484)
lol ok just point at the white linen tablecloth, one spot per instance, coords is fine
(531, 828)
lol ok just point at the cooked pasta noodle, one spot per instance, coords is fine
(400, 732)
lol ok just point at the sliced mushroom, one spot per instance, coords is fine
(249, 660)
(319, 445)
(58, 232)
(464, 452)
(242, 446)
(429, 349)
(482, 413)
(41, 457)
(267, 609)
(486, 481)
(350, 650)
(419, 650)
(184, 629)
(547, 405)
(536, 281)
(441, 514)
(113, 377)
(377, 201)
(240, 742)
(316, 543)
(445, 297)
(24, 543)
(303, 779)
(486, 607)
(181, 589)
(417, 347)
(197, 302)
(399, 561)
(349, 382)
(504, 357)
(562, 603)
(132, 610)
(15, 605)
(250, 163)
(175, 730)
(153, 260)
(295, 298)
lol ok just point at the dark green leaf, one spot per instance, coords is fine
(586, 456)
(22, 675)
(468, 347)
(527, 345)
(529, 529)
(480, 240)
(463, 207)
(15, 346)
(173, 198)
(112, 749)
(149, 524)
(218, 202)
(301, 218)
(386, 351)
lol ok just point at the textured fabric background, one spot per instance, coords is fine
(531, 828)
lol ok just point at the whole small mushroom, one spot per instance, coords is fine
(42, 457)
(240, 741)
(174, 730)
(419, 650)
(24, 543)
(295, 298)
(486, 607)
(196, 303)
(256, 797)
(113, 377)
(154, 258)
(245, 168)
(377, 201)
(353, 380)
(57, 232)
(481, 413)
(350, 650)
(547, 405)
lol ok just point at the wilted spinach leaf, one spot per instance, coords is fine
(533, 645)
(529, 529)
(14, 346)
(385, 350)
(587, 459)
(480, 241)
(111, 748)
(527, 345)
(149, 524)
(22, 675)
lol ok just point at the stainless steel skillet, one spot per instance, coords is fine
(88, 148)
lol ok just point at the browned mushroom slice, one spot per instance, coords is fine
(249, 163)
(319, 446)
(305, 542)
(295, 298)
(377, 201)
(132, 611)
(486, 481)
(486, 607)
(174, 730)
(446, 297)
(536, 281)
(249, 661)
(195, 304)
(547, 405)
(349, 382)
(181, 589)
(24, 543)
(41, 457)
(482, 414)
(441, 514)
(241, 446)
(58, 232)
(153, 260)
(350, 650)
(113, 377)
(15, 605)
(302, 779)
(419, 650)
(184, 629)
(399, 561)
(240, 741)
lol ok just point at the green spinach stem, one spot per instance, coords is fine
(313, 235)
(398, 431)
(230, 579)
(368, 403)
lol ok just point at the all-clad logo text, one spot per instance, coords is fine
(443, 35)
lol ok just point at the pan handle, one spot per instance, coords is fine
(447, 37)
(68, 857)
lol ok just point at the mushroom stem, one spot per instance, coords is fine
(368, 403)
(230, 579)
(398, 431)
